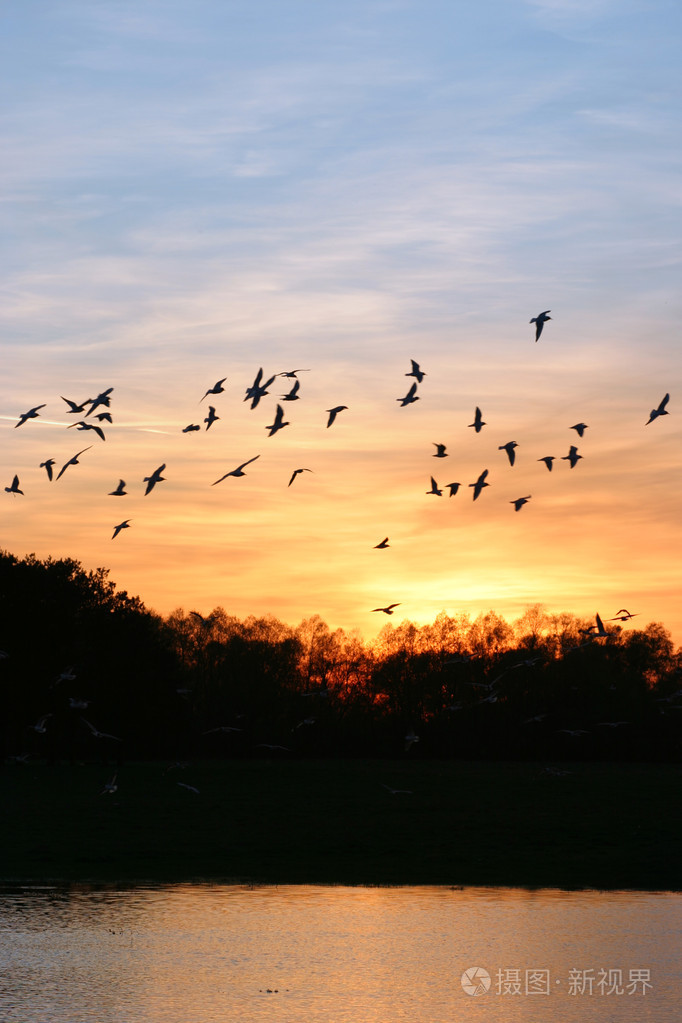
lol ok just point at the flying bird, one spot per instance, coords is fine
(14, 488)
(579, 428)
(572, 456)
(40, 724)
(548, 459)
(74, 407)
(380, 546)
(295, 473)
(410, 396)
(540, 321)
(509, 448)
(623, 615)
(101, 399)
(122, 525)
(47, 466)
(410, 739)
(211, 417)
(155, 478)
(292, 395)
(520, 501)
(654, 414)
(397, 792)
(96, 734)
(82, 425)
(216, 389)
(333, 413)
(257, 390)
(110, 787)
(479, 484)
(72, 461)
(387, 610)
(416, 372)
(454, 487)
(239, 471)
(31, 414)
(440, 450)
(104, 417)
(292, 373)
(478, 421)
(279, 423)
(120, 490)
(192, 427)
(434, 489)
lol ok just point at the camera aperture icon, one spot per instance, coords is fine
(476, 980)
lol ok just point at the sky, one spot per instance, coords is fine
(196, 191)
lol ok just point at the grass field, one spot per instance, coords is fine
(333, 822)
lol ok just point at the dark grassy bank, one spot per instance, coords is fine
(599, 825)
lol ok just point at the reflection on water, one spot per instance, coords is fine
(195, 953)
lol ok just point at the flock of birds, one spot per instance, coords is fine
(95, 413)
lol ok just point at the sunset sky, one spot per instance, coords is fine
(193, 191)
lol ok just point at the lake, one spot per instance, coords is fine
(308, 954)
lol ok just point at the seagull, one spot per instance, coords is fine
(216, 389)
(257, 390)
(76, 703)
(654, 414)
(397, 792)
(222, 728)
(573, 731)
(155, 478)
(479, 484)
(509, 448)
(572, 456)
(623, 615)
(410, 396)
(478, 421)
(380, 546)
(239, 471)
(579, 428)
(122, 525)
(72, 461)
(410, 739)
(540, 321)
(279, 423)
(73, 406)
(454, 487)
(440, 451)
(110, 787)
(520, 501)
(434, 489)
(601, 631)
(31, 414)
(190, 788)
(333, 412)
(120, 490)
(268, 745)
(14, 488)
(101, 399)
(387, 610)
(40, 724)
(96, 734)
(548, 459)
(192, 427)
(295, 473)
(104, 417)
(292, 395)
(416, 372)
(292, 373)
(88, 426)
(211, 417)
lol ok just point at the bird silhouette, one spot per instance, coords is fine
(416, 372)
(509, 448)
(434, 489)
(101, 399)
(47, 466)
(479, 484)
(387, 610)
(239, 471)
(192, 428)
(624, 615)
(292, 395)
(295, 473)
(540, 321)
(96, 734)
(292, 373)
(548, 459)
(410, 396)
(579, 428)
(72, 461)
(572, 457)
(654, 414)
(478, 421)
(216, 389)
(74, 407)
(440, 450)
(122, 525)
(454, 487)
(155, 478)
(82, 425)
(520, 501)
(31, 414)
(278, 424)
(120, 490)
(211, 417)
(333, 413)
(14, 487)
(258, 390)
(380, 546)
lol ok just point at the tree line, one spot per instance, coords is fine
(87, 671)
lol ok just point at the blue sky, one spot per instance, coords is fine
(191, 191)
